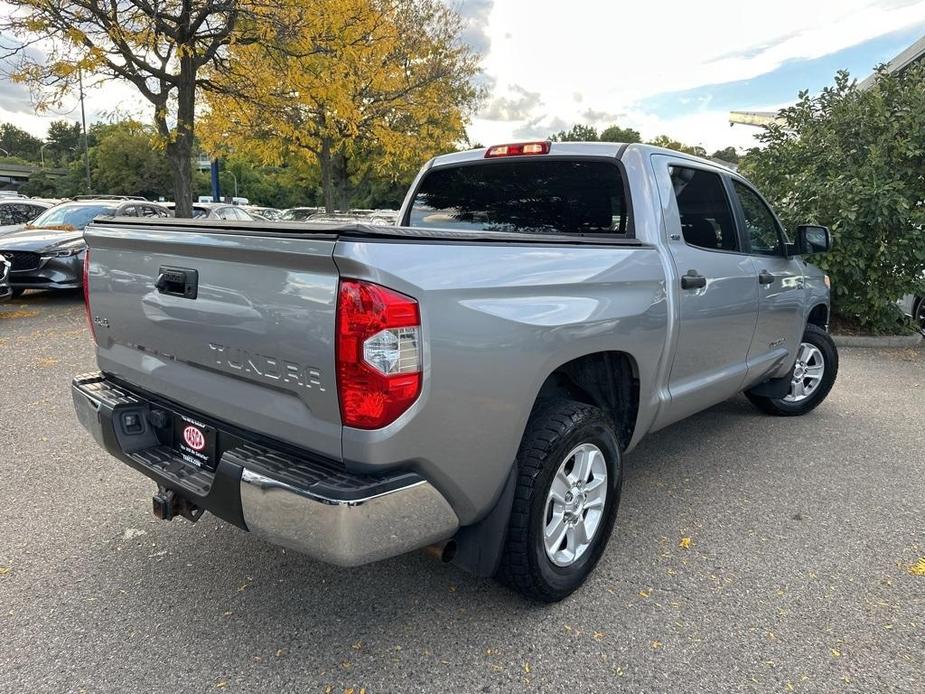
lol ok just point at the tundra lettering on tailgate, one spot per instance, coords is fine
(272, 368)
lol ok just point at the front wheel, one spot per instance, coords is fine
(570, 473)
(811, 379)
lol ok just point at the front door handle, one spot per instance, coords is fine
(765, 277)
(693, 280)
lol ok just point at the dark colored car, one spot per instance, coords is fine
(5, 290)
(48, 253)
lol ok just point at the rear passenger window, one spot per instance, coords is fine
(537, 195)
(706, 218)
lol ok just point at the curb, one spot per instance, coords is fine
(875, 342)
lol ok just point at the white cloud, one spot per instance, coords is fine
(615, 54)
(549, 66)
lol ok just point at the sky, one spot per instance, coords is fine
(659, 66)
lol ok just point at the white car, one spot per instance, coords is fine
(913, 305)
(15, 212)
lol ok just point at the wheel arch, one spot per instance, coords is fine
(819, 316)
(608, 380)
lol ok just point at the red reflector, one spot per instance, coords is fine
(518, 149)
(86, 288)
(369, 397)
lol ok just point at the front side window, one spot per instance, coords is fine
(706, 218)
(760, 225)
(534, 195)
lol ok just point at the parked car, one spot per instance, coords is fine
(14, 213)
(471, 380)
(298, 214)
(48, 253)
(338, 218)
(270, 213)
(913, 306)
(219, 210)
(387, 217)
(6, 291)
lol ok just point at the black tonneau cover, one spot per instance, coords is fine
(370, 232)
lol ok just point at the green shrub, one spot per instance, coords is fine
(854, 160)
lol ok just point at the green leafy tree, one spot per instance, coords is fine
(40, 185)
(615, 133)
(577, 133)
(669, 143)
(854, 160)
(726, 154)
(62, 143)
(17, 143)
(126, 161)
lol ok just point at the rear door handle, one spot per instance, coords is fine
(693, 280)
(765, 277)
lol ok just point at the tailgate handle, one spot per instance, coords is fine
(177, 281)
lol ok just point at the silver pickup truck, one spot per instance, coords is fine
(467, 380)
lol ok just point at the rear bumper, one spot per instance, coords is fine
(308, 504)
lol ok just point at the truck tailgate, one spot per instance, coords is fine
(240, 327)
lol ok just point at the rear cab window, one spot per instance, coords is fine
(548, 195)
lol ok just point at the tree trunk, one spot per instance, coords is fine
(180, 148)
(334, 182)
(341, 183)
(325, 159)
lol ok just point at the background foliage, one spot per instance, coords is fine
(854, 160)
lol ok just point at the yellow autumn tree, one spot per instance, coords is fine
(356, 85)
(170, 51)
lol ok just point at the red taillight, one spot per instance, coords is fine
(86, 283)
(518, 149)
(378, 354)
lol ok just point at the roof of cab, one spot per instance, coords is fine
(568, 149)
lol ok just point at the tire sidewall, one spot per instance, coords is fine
(823, 342)
(564, 580)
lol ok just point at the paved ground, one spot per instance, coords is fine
(798, 574)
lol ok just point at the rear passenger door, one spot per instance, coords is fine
(780, 286)
(717, 289)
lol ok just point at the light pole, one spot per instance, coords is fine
(5, 153)
(42, 153)
(235, 182)
(83, 120)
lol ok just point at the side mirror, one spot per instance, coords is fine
(812, 238)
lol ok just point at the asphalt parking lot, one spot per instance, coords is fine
(751, 553)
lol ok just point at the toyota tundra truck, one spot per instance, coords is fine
(468, 380)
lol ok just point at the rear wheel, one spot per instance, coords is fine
(813, 375)
(570, 473)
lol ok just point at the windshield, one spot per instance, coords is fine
(296, 215)
(539, 196)
(71, 216)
